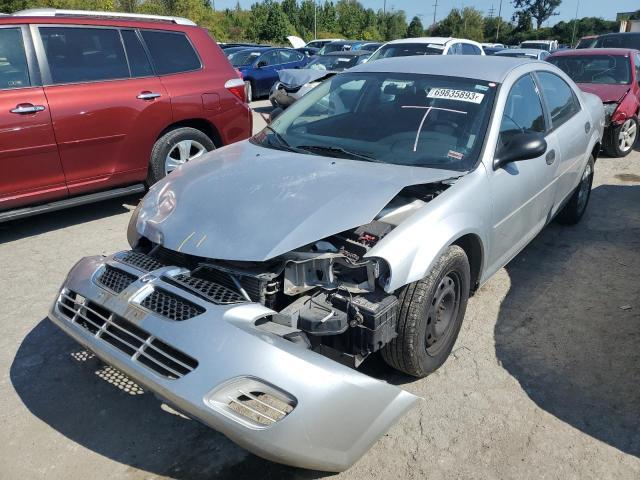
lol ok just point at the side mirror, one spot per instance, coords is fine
(275, 113)
(261, 63)
(522, 146)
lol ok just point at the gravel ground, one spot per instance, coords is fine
(544, 381)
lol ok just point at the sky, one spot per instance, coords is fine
(587, 8)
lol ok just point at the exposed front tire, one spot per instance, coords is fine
(430, 316)
(248, 89)
(573, 211)
(620, 140)
(175, 148)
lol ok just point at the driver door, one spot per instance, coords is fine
(266, 72)
(522, 191)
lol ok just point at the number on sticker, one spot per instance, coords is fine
(459, 95)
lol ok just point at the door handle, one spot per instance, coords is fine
(550, 157)
(25, 108)
(148, 95)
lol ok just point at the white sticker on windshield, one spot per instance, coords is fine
(459, 95)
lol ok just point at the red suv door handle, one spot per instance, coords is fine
(148, 95)
(25, 108)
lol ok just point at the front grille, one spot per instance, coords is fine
(140, 261)
(138, 344)
(254, 285)
(260, 407)
(211, 291)
(115, 280)
(171, 306)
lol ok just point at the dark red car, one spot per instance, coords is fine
(614, 75)
(98, 105)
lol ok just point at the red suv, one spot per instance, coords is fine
(95, 105)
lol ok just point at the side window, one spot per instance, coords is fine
(559, 98)
(14, 72)
(84, 54)
(271, 58)
(455, 49)
(138, 61)
(171, 52)
(289, 56)
(468, 49)
(522, 112)
(637, 67)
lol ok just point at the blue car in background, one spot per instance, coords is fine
(259, 67)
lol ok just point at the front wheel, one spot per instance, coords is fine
(620, 140)
(175, 148)
(430, 316)
(573, 211)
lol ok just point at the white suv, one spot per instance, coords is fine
(407, 47)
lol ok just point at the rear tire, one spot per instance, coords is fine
(430, 316)
(573, 211)
(620, 140)
(174, 148)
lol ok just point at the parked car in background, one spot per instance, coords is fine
(94, 105)
(587, 42)
(613, 74)
(308, 51)
(491, 50)
(294, 84)
(259, 67)
(548, 45)
(369, 46)
(493, 45)
(619, 40)
(427, 46)
(523, 53)
(359, 221)
(231, 50)
(297, 42)
(225, 46)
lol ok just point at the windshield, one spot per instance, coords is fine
(619, 40)
(333, 62)
(438, 121)
(334, 47)
(603, 69)
(536, 45)
(406, 50)
(244, 57)
(587, 42)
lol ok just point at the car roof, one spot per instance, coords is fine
(531, 51)
(436, 40)
(480, 67)
(593, 51)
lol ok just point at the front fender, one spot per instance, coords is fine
(412, 248)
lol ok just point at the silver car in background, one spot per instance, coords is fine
(359, 221)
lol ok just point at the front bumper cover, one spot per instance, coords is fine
(337, 412)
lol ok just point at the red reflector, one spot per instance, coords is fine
(236, 87)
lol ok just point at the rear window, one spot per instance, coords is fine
(84, 54)
(171, 52)
(619, 40)
(13, 62)
(406, 50)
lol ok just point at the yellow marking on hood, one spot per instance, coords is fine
(186, 240)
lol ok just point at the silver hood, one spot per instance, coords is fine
(249, 203)
(299, 77)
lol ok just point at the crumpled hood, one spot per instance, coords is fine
(607, 93)
(249, 203)
(299, 77)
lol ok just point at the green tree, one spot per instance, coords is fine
(415, 28)
(465, 23)
(540, 10)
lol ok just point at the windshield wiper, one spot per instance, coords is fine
(319, 149)
(282, 143)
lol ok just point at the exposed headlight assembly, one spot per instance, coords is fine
(609, 109)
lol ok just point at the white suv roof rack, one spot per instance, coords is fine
(57, 12)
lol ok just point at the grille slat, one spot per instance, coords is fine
(115, 280)
(141, 261)
(212, 291)
(171, 306)
(137, 343)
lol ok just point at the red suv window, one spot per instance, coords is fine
(171, 52)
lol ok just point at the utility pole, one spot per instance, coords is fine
(384, 7)
(575, 22)
(435, 11)
(491, 10)
(315, 19)
(499, 21)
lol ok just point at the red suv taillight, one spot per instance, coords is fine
(236, 86)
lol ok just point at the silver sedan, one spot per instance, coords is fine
(262, 275)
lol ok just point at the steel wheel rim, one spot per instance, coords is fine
(181, 153)
(627, 135)
(585, 186)
(442, 314)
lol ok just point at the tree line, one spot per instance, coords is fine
(270, 21)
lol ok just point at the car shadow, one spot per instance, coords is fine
(47, 222)
(98, 407)
(569, 328)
